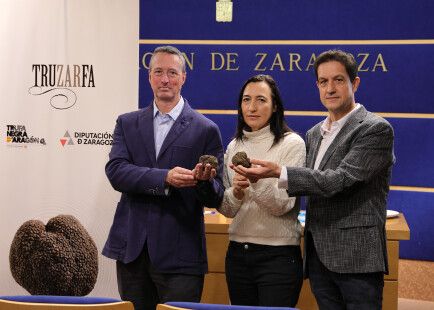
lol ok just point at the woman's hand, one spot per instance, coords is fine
(239, 184)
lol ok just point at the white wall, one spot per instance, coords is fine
(40, 181)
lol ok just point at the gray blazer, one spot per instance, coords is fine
(346, 211)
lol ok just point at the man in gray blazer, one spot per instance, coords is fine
(349, 161)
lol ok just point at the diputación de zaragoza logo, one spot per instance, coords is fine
(86, 138)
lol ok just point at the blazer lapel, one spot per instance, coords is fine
(350, 124)
(146, 128)
(314, 147)
(181, 123)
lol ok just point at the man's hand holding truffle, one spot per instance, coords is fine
(180, 177)
(206, 169)
(261, 169)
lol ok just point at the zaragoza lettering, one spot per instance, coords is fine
(265, 61)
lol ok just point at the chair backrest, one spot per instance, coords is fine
(200, 306)
(168, 307)
(41, 302)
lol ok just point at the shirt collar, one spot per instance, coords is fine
(337, 125)
(174, 113)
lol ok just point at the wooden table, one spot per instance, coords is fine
(215, 289)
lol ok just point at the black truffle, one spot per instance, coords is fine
(209, 159)
(57, 259)
(241, 158)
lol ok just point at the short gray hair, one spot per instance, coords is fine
(168, 49)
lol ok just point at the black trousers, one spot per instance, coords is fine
(263, 275)
(343, 291)
(139, 283)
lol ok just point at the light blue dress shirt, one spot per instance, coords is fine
(163, 123)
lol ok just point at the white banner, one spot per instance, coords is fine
(67, 69)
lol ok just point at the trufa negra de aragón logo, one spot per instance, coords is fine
(18, 135)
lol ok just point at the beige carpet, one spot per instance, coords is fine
(413, 304)
(416, 280)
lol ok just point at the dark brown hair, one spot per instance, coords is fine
(278, 125)
(346, 59)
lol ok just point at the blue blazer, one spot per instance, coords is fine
(171, 225)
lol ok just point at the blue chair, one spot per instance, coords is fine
(200, 306)
(44, 302)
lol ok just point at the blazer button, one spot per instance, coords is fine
(246, 247)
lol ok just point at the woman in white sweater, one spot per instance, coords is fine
(263, 262)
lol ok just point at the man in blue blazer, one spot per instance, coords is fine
(349, 161)
(157, 236)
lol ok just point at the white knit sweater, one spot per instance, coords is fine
(266, 215)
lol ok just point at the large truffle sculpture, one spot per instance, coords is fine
(209, 159)
(241, 158)
(57, 259)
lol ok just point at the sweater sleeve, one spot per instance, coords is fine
(266, 193)
(230, 205)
